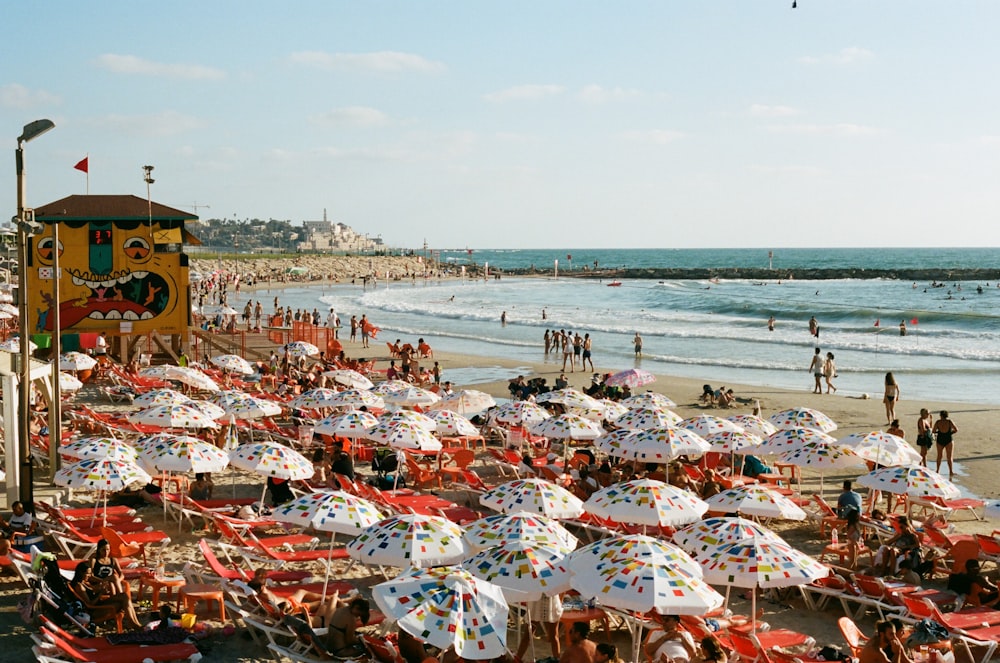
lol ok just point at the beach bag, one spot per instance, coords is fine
(829, 653)
(927, 632)
(28, 606)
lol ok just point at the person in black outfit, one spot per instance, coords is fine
(342, 462)
(280, 491)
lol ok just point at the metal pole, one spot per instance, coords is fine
(55, 408)
(25, 477)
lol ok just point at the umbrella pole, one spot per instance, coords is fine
(329, 562)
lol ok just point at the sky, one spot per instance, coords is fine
(525, 124)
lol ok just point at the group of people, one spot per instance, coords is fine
(575, 349)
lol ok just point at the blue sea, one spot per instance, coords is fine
(715, 331)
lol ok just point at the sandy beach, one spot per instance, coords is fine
(974, 455)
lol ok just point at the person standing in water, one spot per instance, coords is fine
(503, 319)
(637, 342)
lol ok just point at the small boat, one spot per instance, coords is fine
(614, 284)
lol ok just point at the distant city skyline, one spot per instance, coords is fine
(511, 125)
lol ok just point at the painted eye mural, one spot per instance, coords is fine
(45, 250)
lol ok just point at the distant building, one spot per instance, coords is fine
(326, 235)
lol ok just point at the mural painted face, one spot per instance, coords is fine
(115, 275)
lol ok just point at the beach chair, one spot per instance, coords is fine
(989, 548)
(828, 517)
(853, 636)
(119, 653)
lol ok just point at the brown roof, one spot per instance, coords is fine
(111, 208)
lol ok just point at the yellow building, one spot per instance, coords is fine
(123, 268)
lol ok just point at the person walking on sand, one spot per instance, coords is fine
(637, 342)
(891, 397)
(567, 351)
(925, 434)
(944, 431)
(816, 368)
(829, 372)
(587, 345)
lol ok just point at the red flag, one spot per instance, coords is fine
(913, 321)
(569, 257)
(876, 322)
(83, 165)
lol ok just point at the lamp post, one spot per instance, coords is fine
(26, 226)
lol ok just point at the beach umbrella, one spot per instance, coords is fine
(611, 442)
(700, 538)
(349, 378)
(751, 423)
(612, 409)
(76, 361)
(315, 399)
(192, 377)
(792, 438)
(525, 571)
(184, 454)
(631, 378)
(158, 372)
(760, 562)
(531, 528)
(803, 417)
(241, 405)
(99, 447)
(6, 306)
(157, 397)
(568, 427)
(69, 383)
(821, 456)
(410, 540)
(466, 401)
(533, 496)
(913, 481)
(882, 448)
(106, 474)
(353, 425)
(520, 413)
(301, 349)
(390, 386)
(707, 424)
(411, 396)
(405, 435)
(660, 445)
(233, 364)
(172, 416)
(356, 398)
(330, 511)
(755, 500)
(645, 418)
(447, 607)
(270, 459)
(730, 442)
(13, 345)
(650, 400)
(646, 502)
(569, 398)
(452, 424)
(409, 417)
(207, 408)
(641, 574)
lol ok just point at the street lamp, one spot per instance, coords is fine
(26, 226)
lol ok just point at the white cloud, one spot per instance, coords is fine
(20, 97)
(989, 140)
(807, 171)
(130, 64)
(841, 129)
(763, 110)
(167, 123)
(380, 61)
(355, 116)
(653, 136)
(845, 56)
(597, 94)
(524, 93)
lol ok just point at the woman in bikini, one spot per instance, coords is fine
(891, 397)
(101, 607)
(944, 430)
(107, 576)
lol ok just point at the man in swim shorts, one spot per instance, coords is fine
(816, 366)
